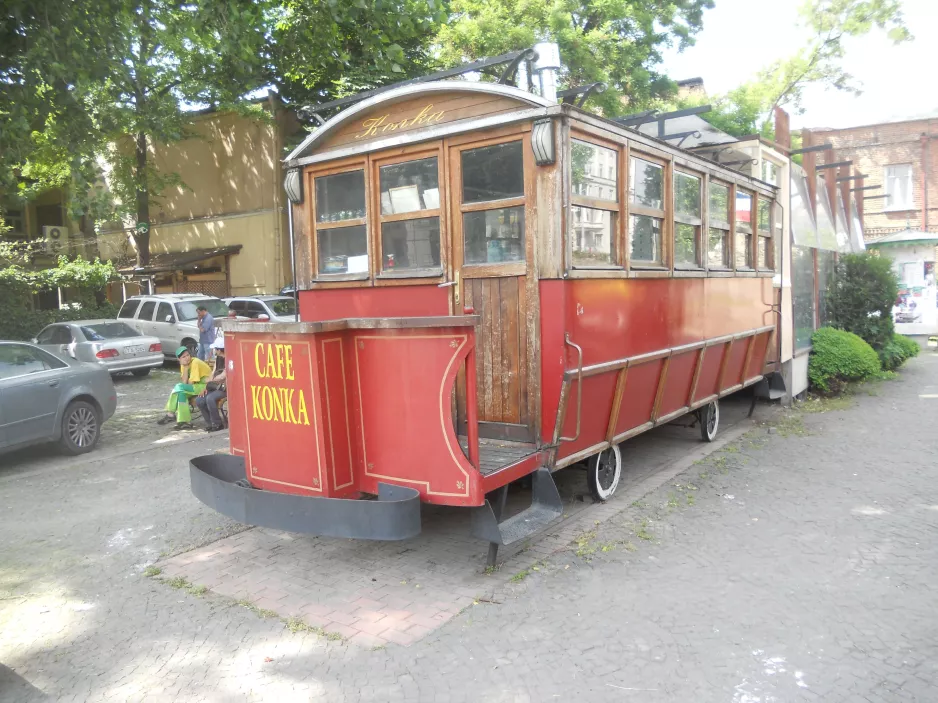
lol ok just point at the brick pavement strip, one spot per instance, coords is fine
(784, 567)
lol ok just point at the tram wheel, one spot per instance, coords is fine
(709, 421)
(603, 473)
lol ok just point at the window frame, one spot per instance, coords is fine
(660, 159)
(394, 157)
(728, 228)
(764, 234)
(619, 232)
(752, 230)
(906, 206)
(334, 168)
(698, 222)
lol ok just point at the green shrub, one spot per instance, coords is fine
(20, 323)
(838, 357)
(897, 351)
(861, 297)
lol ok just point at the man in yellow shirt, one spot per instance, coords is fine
(194, 373)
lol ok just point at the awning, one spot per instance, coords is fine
(803, 227)
(826, 234)
(856, 228)
(178, 260)
(906, 236)
(840, 226)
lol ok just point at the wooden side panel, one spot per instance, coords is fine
(389, 118)
(707, 383)
(734, 366)
(677, 386)
(638, 397)
(500, 372)
(760, 353)
(594, 413)
(302, 246)
(337, 428)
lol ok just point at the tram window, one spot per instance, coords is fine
(410, 186)
(340, 197)
(593, 170)
(764, 230)
(687, 220)
(411, 244)
(494, 236)
(743, 230)
(718, 249)
(646, 183)
(592, 237)
(343, 250)
(645, 235)
(493, 172)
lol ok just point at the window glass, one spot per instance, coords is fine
(802, 284)
(187, 311)
(594, 171)
(19, 360)
(254, 309)
(646, 183)
(718, 252)
(46, 336)
(686, 195)
(343, 250)
(685, 245)
(765, 246)
(129, 308)
(108, 330)
(770, 173)
(410, 186)
(645, 236)
(743, 250)
(340, 197)
(283, 306)
(61, 334)
(743, 211)
(825, 277)
(493, 236)
(146, 310)
(899, 187)
(163, 311)
(765, 218)
(411, 244)
(592, 237)
(493, 173)
(719, 203)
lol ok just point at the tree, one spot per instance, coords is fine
(749, 108)
(617, 42)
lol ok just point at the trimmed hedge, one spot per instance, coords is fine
(897, 351)
(20, 323)
(838, 357)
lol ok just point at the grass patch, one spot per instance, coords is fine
(642, 532)
(672, 502)
(183, 584)
(584, 546)
(691, 500)
(520, 576)
(152, 571)
(791, 425)
(817, 404)
(296, 625)
(260, 612)
(629, 547)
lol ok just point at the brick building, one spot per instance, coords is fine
(901, 158)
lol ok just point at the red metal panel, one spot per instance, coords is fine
(638, 398)
(678, 382)
(391, 301)
(403, 410)
(337, 429)
(597, 404)
(707, 383)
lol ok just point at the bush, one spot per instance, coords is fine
(897, 351)
(861, 297)
(838, 357)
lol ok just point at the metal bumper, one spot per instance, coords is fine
(395, 515)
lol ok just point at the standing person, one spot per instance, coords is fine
(206, 332)
(214, 390)
(194, 373)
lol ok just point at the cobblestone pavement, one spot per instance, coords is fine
(787, 566)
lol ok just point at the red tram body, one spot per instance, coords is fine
(491, 285)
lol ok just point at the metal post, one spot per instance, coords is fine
(296, 301)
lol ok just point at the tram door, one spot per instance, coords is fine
(491, 262)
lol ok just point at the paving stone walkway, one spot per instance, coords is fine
(796, 565)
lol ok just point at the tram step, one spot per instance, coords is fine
(771, 387)
(546, 507)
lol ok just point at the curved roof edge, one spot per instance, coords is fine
(417, 89)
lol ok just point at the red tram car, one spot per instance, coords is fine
(492, 284)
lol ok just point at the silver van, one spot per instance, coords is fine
(170, 317)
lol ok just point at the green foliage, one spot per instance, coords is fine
(617, 42)
(838, 357)
(21, 323)
(861, 297)
(897, 351)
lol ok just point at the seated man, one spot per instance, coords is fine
(214, 390)
(194, 373)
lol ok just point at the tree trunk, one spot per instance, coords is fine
(142, 230)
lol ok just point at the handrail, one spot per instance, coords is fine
(579, 388)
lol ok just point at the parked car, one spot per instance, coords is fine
(170, 317)
(45, 397)
(277, 308)
(114, 344)
(288, 290)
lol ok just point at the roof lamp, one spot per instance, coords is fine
(293, 185)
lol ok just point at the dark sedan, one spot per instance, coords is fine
(48, 398)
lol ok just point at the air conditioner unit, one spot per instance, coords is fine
(56, 239)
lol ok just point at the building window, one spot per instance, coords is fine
(743, 230)
(898, 180)
(718, 249)
(594, 223)
(646, 212)
(410, 216)
(14, 220)
(342, 242)
(687, 220)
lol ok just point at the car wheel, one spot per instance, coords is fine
(81, 427)
(141, 372)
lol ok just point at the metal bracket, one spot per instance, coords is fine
(508, 75)
(681, 136)
(583, 92)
